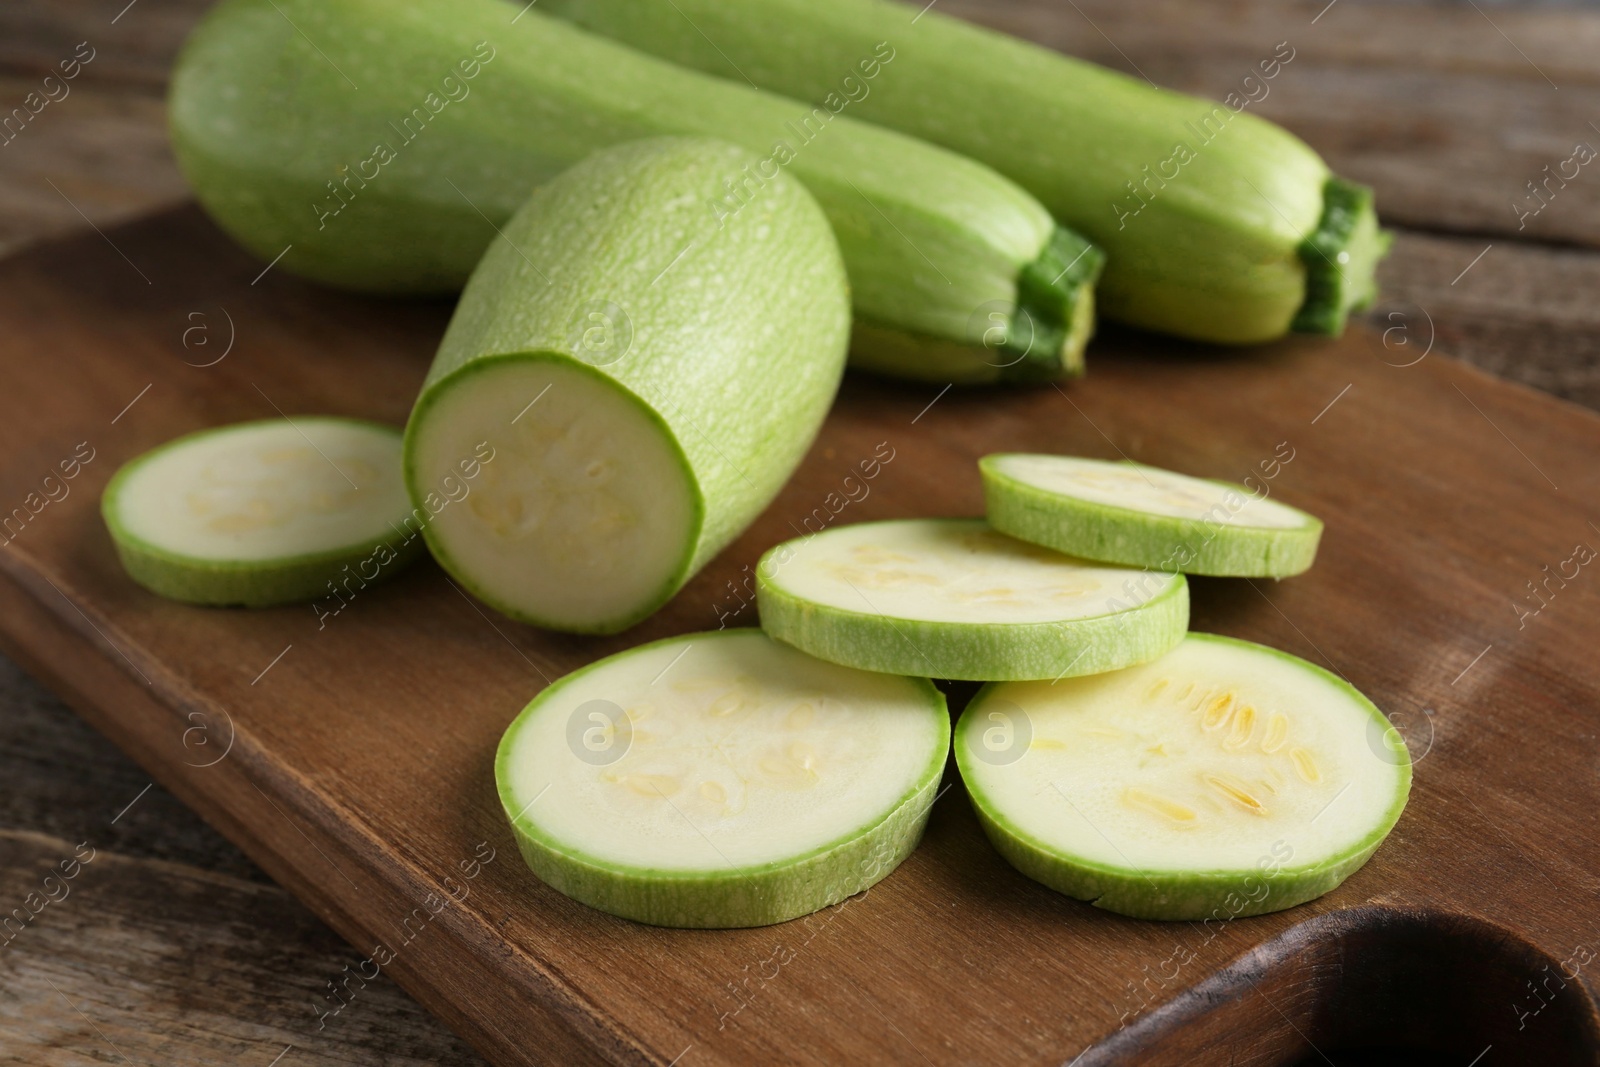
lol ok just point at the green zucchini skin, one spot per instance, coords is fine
(1228, 240)
(248, 583)
(738, 347)
(380, 144)
(1012, 652)
(1134, 538)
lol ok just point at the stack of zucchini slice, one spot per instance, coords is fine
(1113, 756)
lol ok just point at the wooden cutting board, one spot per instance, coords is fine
(352, 759)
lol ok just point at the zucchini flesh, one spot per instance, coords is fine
(1142, 516)
(380, 144)
(1223, 779)
(264, 512)
(1217, 225)
(721, 780)
(951, 598)
(645, 380)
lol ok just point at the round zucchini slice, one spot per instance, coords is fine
(721, 780)
(1223, 779)
(264, 512)
(1129, 513)
(951, 598)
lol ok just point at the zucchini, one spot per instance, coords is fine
(1142, 516)
(1223, 779)
(1217, 225)
(950, 598)
(264, 512)
(377, 145)
(721, 780)
(647, 382)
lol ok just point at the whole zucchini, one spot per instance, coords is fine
(377, 146)
(1217, 225)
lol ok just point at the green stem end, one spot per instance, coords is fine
(1341, 259)
(1055, 311)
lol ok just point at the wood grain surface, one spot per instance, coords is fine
(1442, 107)
(359, 769)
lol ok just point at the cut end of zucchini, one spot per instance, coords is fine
(585, 514)
(721, 780)
(1141, 516)
(1341, 259)
(263, 513)
(1223, 779)
(951, 598)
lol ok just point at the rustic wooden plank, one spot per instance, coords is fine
(171, 942)
(97, 158)
(135, 41)
(115, 966)
(1444, 492)
(1523, 312)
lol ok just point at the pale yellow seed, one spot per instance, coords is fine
(714, 792)
(1305, 766)
(797, 762)
(1235, 791)
(1277, 733)
(1156, 690)
(641, 712)
(1047, 744)
(800, 716)
(1186, 691)
(726, 704)
(1244, 724)
(1155, 804)
(652, 785)
(1107, 732)
(1217, 713)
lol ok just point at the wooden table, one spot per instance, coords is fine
(1447, 110)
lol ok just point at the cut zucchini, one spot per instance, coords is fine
(1217, 225)
(264, 512)
(623, 465)
(721, 780)
(951, 598)
(1221, 780)
(377, 146)
(1129, 513)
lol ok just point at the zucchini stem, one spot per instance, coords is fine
(1341, 258)
(1055, 310)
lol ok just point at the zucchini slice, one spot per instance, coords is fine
(1223, 779)
(951, 598)
(645, 386)
(264, 512)
(1141, 516)
(377, 146)
(721, 780)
